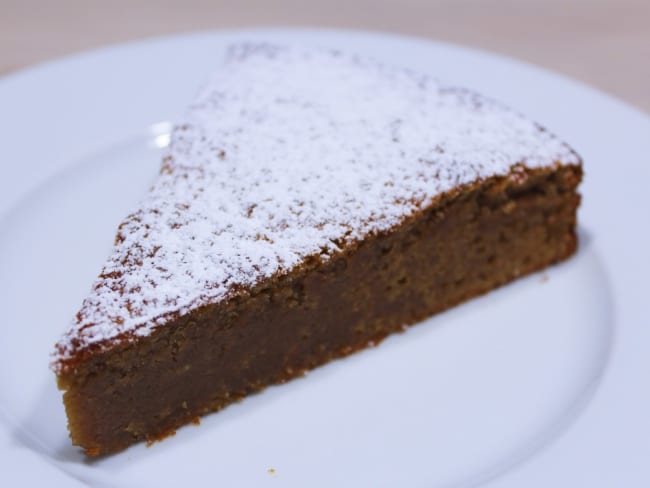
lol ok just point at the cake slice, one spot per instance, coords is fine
(310, 203)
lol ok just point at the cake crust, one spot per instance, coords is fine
(297, 221)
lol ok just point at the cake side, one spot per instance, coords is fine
(288, 153)
(472, 239)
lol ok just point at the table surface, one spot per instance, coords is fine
(605, 43)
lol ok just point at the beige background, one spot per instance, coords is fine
(605, 43)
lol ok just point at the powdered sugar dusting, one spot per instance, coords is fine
(287, 153)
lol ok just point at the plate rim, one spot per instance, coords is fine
(80, 55)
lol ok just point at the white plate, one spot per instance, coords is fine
(539, 384)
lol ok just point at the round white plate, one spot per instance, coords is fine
(541, 383)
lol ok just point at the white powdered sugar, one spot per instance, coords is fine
(288, 153)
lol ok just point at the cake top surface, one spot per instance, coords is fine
(288, 153)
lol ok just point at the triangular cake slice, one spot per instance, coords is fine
(310, 203)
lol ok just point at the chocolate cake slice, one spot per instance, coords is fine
(310, 203)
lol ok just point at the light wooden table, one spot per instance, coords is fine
(605, 43)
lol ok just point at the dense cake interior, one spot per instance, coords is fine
(467, 244)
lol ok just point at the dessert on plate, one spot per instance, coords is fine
(310, 203)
